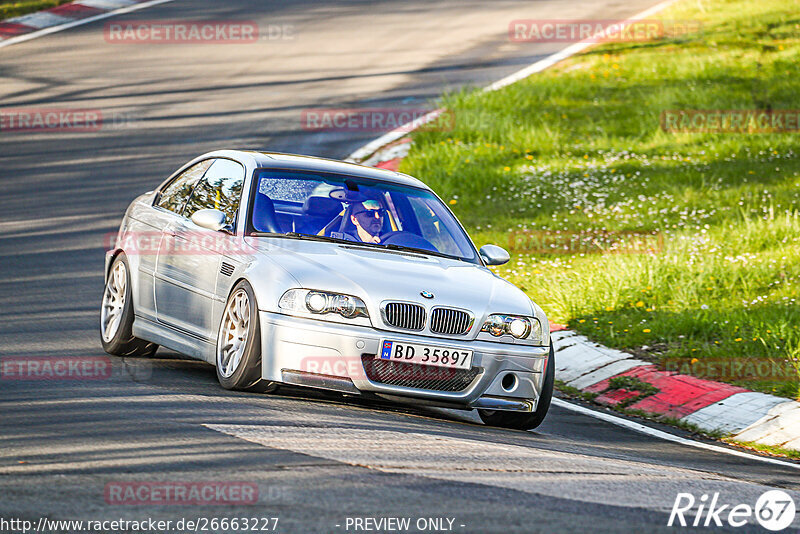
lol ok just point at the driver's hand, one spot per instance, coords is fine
(375, 239)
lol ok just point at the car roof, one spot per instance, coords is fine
(277, 160)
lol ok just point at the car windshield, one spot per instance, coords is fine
(357, 210)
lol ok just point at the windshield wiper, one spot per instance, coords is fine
(403, 248)
(298, 235)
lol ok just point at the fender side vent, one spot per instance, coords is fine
(226, 269)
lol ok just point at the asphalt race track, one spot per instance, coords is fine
(316, 460)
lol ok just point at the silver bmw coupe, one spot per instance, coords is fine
(281, 269)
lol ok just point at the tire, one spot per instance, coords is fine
(238, 358)
(116, 314)
(526, 421)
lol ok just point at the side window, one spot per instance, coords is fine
(220, 188)
(432, 227)
(173, 197)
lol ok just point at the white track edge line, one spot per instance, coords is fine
(644, 429)
(61, 27)
(374, 145)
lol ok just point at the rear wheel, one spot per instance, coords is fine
(526, 421)
(116, 315)
(239, 342)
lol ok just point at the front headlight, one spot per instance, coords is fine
(517, 326)
(323, 302)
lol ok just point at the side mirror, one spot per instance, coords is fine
(494, 255)
(209, 218)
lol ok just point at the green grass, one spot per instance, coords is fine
(579, 148)
(768, 449)
(15, 8)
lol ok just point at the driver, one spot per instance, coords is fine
(367, 217)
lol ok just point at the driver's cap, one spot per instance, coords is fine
(367, 205)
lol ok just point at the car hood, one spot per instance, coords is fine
(379, 275)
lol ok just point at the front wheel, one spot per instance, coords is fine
(239, 342)
(526, 421)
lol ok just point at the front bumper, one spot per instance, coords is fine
(329, 356)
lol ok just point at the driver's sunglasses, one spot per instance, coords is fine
(377, 214)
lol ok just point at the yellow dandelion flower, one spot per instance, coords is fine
(646, 330)
(453, 202)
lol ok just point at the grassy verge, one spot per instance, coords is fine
(15, 8)
(767, 449)
(578, 151)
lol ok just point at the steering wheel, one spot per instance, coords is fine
(407, 239)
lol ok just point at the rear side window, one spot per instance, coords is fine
(174, 196)
(220, 188)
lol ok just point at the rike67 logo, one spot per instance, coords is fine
(774, 510)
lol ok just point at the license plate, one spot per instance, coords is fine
(425, 355)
